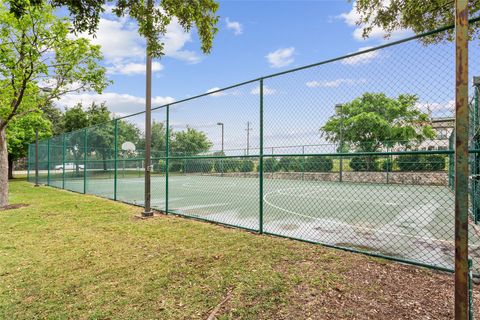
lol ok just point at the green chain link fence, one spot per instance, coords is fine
(256, 156)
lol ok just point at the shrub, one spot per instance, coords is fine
(246, 166)
(269, 165)
(434, 162)
(364, 164)
(290, 164)
(199, 165)
(410, 162)
(318, 164)
(175, 166)
(227, 165)
(387, 165)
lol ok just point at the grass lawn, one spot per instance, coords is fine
(70, 256)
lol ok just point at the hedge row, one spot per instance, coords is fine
(408, 162)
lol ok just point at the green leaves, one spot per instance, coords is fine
(374, 120)
(419, 15)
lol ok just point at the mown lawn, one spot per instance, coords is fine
(70, 256)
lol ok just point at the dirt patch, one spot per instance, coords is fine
(374, 289)
(13, 206)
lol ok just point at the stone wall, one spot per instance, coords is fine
(439, 178)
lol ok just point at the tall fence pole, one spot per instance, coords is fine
(461, 160)
(260, 164)
(85, 146)
(63, 161)
(167, 154)
(48, 162)
(36, 158)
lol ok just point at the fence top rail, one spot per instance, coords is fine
(393, 43)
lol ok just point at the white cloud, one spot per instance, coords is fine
(117, 103)
(281, 57)
(362, 58)
(353, 16)
(216, 94)
(229, 92)
(334, 83)
(124, 49)
(235, 26)
(266, 91)
(437, 109)
(133, 68)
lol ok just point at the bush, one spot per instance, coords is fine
(318, 164)
(364, 164)
(387, 165)
(287, 164)
(409, 162)
(246, 166)
(227, 165)
(421, 162)
(199, 165)
(269, 165)
(434, 162)
(175, 166)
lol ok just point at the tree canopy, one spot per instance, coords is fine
(152, 18)
(374, 120)
(39, 62)
(418, 15)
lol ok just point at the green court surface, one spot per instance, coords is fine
(410, 222)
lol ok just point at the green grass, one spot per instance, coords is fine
(82, 257)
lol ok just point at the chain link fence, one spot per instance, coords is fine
(354, 152)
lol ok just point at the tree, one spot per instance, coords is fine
(54, 115)
(190, 142)
(375, 121)
(152, 20)
(418, 15)
(35, 50)
(21, 132)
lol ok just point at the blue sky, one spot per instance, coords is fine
(258, 38)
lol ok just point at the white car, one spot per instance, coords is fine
(69, 166)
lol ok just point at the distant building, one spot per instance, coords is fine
(443, 128)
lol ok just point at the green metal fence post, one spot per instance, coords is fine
(115, 160)
(63, 161)
(48, 162)
(85, 161)
(167, 155)
(260, 164)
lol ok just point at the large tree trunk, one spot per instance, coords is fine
(3, 169)
(10, 167)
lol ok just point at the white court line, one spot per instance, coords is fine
(347, 224)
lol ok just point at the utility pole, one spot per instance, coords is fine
(221, 124)
(461, 160)
(148, 124)
(248, 137)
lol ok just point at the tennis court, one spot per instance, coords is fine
(411, 222)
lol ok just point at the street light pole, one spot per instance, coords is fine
(339, 110)
(248, 137)
(221, 124)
